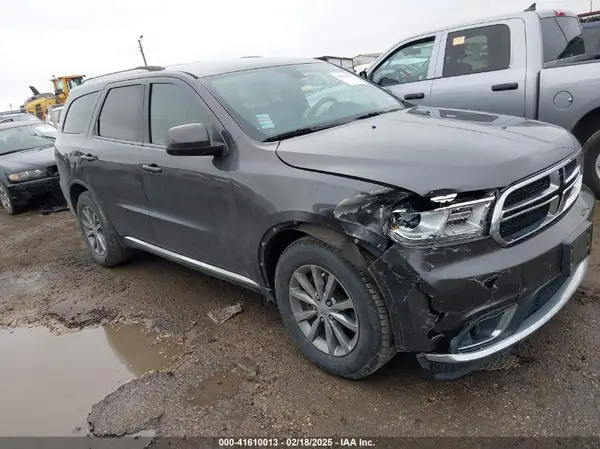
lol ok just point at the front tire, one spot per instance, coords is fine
(591, 165)
(332, 310)
(7, 202)
(101, 238)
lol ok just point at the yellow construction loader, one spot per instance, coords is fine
(39, 102)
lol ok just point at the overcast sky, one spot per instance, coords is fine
(41, 39)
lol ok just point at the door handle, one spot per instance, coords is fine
(506, 86)
(152, 168)
(418, 96)
(89, 157)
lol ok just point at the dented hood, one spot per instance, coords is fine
(427, 149)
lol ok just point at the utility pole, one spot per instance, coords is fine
(142, 49)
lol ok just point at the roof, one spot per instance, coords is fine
(198, 69)
(8, 125)
(516, 15)
(201, 69)
(369, 55)
(334, 57)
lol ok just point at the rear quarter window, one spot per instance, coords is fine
(79, 114)
(591, 36)
(562, 38)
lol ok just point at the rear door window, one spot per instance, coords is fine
(477, 50)
(562, 38)
(79, 114)
(121, 115)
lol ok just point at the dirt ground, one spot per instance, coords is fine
(48, 281)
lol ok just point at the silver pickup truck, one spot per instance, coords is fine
(530, 64)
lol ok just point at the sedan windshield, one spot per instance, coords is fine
(26, 137)
(281, 102)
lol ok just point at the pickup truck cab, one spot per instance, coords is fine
(530, 64)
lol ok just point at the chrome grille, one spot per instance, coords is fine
(534, 203)
(530, 190)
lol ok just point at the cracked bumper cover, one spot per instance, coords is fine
(24, 191)
(436, 296)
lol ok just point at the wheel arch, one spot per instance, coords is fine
(587, 125)
(280, 236)
(76, 188)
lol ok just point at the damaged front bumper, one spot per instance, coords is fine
(460, 307)
(23, 192)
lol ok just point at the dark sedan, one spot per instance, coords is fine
(27, 166)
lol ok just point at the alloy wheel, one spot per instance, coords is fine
(323, 310)
(93, 230)
(5, 198)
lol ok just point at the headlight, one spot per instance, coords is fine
(27, 175)
(461, 221)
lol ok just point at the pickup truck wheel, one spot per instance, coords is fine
(101, 238)
(333, 312)
(591, 165)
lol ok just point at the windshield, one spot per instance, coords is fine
(26, 137)
(72, 83)
(273, 101)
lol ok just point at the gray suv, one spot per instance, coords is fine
(375, 225)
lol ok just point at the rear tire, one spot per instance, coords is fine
(591, 165)
(354, 355)
(100, 237)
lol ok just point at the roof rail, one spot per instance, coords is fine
(531, 8)
(150, 68)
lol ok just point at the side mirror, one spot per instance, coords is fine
(363, 74)
(192, 140)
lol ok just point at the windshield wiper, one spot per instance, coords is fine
(44, 136)
(375, 114)
(300, 132)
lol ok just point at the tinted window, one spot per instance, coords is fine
(121, 115)
(591, 36)
(172, 105)
(79, 114)
(409, 64)
(562, 38)
(477, 50)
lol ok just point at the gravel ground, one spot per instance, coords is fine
(47, 279)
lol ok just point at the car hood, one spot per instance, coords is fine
(426, 149)
(27, 160)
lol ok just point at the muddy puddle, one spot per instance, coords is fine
(50, 382)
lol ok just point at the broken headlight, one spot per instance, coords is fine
(417, 222)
